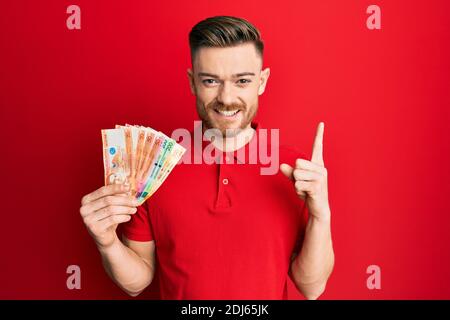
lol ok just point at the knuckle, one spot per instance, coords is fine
(89, 225)
(115, 219)
(111, 210)
(110, 220)
(107, 210)
(86, 220)
(94, 229)
(107, 201)
(104, 190)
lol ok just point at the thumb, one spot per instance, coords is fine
(287, 170)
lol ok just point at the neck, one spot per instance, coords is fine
(230, 144)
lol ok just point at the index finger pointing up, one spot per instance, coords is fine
(317, 152)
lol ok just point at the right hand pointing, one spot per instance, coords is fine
(103, 209)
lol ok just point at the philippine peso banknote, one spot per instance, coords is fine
(140, 156)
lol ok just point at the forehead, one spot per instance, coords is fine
(229, 60)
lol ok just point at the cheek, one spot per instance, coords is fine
(206, 95)
(250, 97)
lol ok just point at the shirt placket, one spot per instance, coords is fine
(223, 200)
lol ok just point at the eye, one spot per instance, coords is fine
(209, 81)
(244, 81)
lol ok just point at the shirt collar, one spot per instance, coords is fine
(244, 153)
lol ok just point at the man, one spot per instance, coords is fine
(221, 230)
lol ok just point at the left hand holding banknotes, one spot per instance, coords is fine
(103, 209)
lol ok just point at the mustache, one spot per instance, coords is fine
(225, 107)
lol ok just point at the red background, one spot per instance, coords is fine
(383, 95)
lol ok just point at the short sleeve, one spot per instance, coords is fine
(139, 228)
(289, 154)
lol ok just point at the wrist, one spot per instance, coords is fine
(323, 218)
(105, 249)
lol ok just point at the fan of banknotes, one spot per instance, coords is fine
(139, 156)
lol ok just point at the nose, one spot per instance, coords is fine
(226, 94)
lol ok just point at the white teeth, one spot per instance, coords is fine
(228, 113)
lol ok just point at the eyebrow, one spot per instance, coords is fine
(237, 75)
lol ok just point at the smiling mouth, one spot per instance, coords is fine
(227, 113)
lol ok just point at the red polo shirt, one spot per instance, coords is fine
(223, 230)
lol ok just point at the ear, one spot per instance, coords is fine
(263, 82)
(191, 80)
